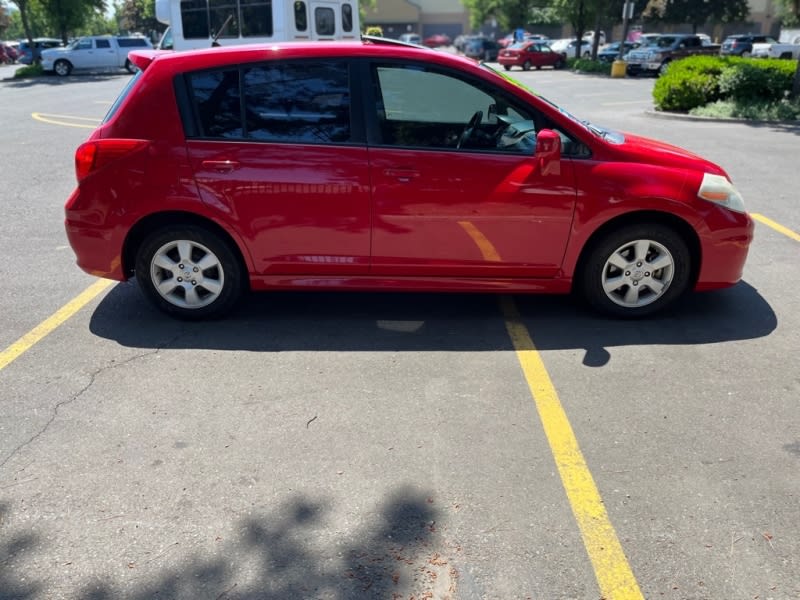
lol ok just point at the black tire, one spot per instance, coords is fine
(130, 67)
(185, 288)
(62, 67)
(507, 67)
(559, 64)
(663, 68)
(636, 270)
(526, 66)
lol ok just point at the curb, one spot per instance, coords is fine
(657, 114)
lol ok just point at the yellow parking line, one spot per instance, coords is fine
(776, 226)
(23, 344)
(56, 120)
(611, 568)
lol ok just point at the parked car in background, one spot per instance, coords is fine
(232, 169)
(481, 48)
(773, 49)
(567, 47)
(94, 52)
(411, 38)
(589, 36)
(742, 45)
(530, 54)
(28, 55)
(656, 57)
(437, 40)
(610, 52)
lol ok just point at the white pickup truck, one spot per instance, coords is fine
(93, 53)
(787, 47)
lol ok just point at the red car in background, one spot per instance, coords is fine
(530, 54)
(436, 40)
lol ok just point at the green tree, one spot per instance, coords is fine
(696, 13)
(580, 14)
(66, 16)
(5, 20)
(139, 16)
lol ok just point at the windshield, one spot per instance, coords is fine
(609, 135)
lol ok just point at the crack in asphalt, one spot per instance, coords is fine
(92, 378)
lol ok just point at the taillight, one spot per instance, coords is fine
(96, 154)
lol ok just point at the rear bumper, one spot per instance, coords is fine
(97, 247)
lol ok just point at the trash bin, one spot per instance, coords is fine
(618, 68)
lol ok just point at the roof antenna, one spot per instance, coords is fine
(214, 42)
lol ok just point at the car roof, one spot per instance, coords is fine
(227, 55)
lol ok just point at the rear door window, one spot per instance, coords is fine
(290, 102)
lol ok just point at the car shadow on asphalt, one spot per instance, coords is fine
(355, 322)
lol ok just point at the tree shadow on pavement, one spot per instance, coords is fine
(291, 552)
(12, 553)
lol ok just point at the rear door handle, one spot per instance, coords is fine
(403, 175)
(221, 166)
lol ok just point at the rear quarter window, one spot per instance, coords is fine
(294, 102)
(132, 43)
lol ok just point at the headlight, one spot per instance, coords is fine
(716, 188)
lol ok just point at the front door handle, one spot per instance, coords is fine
(402, 175)
(221, 166)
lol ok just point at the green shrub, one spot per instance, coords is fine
(374, 30)
(701, 80)
(681, 91)
(29, 71)
(782, 110)
(764, 80)
(586, 65)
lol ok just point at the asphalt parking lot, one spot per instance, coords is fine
(394, 446)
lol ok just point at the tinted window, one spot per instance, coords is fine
(303, 103)
(256, 18)
(103, 43)
(286, 102)
(347, 17)
(325, 21)
(132, 42)
(300, 16)
(224, 18)
(194, 18)
(217, 100)
(424, 108)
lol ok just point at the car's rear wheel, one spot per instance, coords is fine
(636, 270)
(62, 68)
(189, 272)
(129, 66)
(746, 54)
(507, 67)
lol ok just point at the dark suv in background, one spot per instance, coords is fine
(742, 45)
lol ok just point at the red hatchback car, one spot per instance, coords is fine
(530, 54)
(379, 166)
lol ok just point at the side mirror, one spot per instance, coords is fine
(548, 152)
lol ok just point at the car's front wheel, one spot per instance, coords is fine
(62, 68)
(129, 66)
(189, 272)
(526, 66)
(636, 270)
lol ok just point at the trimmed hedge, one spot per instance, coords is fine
(587, 65)
(700, 80)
